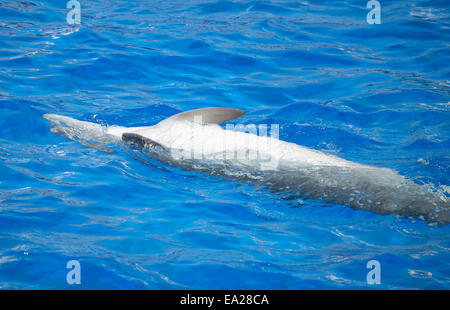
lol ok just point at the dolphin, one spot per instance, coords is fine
(194, 140)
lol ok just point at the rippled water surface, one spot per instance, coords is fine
(374, 94)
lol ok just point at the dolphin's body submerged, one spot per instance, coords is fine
(194, 140)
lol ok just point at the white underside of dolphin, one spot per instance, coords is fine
(195, 139)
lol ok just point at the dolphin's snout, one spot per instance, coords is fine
(50, 117)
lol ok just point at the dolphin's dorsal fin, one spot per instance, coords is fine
(212, 115)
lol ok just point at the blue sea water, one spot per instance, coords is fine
(374, 94)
